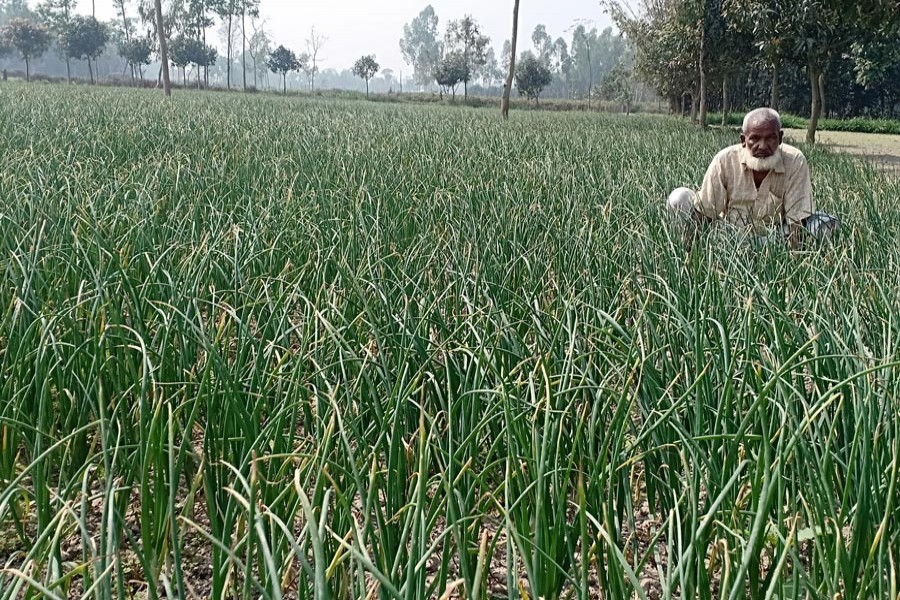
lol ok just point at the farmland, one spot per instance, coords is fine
(265, 347)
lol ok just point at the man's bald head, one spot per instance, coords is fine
(761, 138)
(761, 117)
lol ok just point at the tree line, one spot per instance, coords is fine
(458, 58)
(814, 57)
(573, 68)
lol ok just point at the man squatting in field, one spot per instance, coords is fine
(759, 184)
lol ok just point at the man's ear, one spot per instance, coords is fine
(743, 140)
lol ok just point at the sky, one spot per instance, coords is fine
(357, 27)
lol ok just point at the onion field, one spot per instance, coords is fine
(257, 347)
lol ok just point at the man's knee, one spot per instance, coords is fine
(680, 203)
(821, 225)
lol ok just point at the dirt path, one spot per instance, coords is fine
(879, 148)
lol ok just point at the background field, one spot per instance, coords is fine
(254, 347)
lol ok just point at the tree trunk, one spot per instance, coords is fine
(244, 43)
(68, 70)
(228, 66)
(823, 107)
(504, 103)
(184, 77)
(90, 71)
(703, 94)
(163, 48)
(776, 68)
(725, 104)
(367, 89)
(284, 76)
(816, 105)
(695, 105)
(255, 73)
(27, 70)
(206, 66)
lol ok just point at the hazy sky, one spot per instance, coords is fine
(357, 27)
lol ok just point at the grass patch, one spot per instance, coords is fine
(345, 349)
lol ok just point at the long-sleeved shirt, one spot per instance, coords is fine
(729, 192)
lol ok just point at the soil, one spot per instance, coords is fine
(882, 150)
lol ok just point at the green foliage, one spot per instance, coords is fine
(84, 38)
(184, 51)
(855, 124)
(617, 87)
(452, 71)
(357, 350)
(283, 61)
(593, 54)
(57, 14)
(532, 76)
(421, 47)
(136, 51)
(366, 67)
(464, 41)
(30, 40)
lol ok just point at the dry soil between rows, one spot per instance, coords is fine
(879, 148)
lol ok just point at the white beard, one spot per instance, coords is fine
(762, 165)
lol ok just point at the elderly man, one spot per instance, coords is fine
(760, 185)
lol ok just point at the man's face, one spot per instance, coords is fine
(762, 139)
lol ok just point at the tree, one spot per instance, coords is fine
(510, 72)
(365, 68)
(179, 54)
(197, 20)
(191, 51)
(388, 76)
(532, 76)
(490, 71)
(283, 61)
(246, 7)
(259, 48)
(420, 46)
(563, 62)
(543, 44)
(29, 39)
(126, 32)
(616, 87)
(465, 38)
(307, 68)
(666, 49)
(84, 39)
(763, 22)
(14, 9)
(451, 72)
(226, 11)
(163, 48)
(314, 45)
(812, 32)
(136, 53)
(582, 46)
(58, 16)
